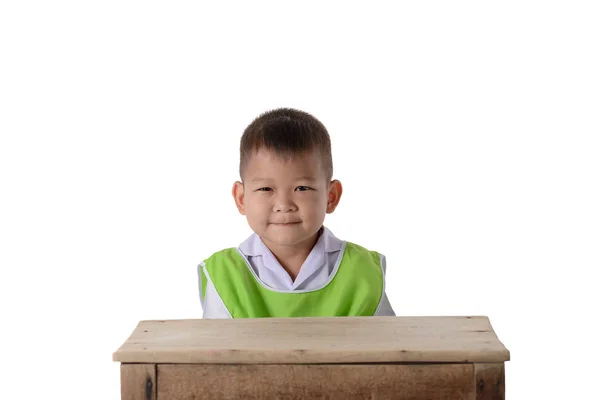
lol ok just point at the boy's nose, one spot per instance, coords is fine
(285, 208)
(284, 204)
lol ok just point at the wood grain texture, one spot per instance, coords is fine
(489, 381)
(138, 382)
(314, 340)
(301, 381)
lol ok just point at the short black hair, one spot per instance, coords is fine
(288, 132)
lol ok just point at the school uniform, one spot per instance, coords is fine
(338, 278)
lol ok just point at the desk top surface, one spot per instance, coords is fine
(314, 340)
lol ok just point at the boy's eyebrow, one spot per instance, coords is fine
(300, 178)
(260, 179)
(305, 178)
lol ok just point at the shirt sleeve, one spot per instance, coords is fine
(385, 308)
(212, 304)
(201, 284)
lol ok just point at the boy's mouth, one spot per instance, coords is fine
(285, 223)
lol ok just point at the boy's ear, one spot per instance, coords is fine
(334, 195)
(238, 196)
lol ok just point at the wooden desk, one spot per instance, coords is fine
(302, 358)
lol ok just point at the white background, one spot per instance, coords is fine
(465, 134)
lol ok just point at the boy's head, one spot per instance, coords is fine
(286, 169)
(287, 133)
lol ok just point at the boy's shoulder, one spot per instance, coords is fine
(227, 252)
(356, 247)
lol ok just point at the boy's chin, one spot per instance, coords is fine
(285, 238)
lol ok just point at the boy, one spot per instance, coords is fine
(292, 266)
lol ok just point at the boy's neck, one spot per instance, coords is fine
(291, 258)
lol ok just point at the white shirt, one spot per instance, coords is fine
(314, 273)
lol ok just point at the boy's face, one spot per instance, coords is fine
(285, 202)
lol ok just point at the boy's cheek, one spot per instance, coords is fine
(254, 215)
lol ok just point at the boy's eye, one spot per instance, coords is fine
(268, 189)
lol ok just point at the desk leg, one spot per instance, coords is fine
(138, 381)
(489, 381)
